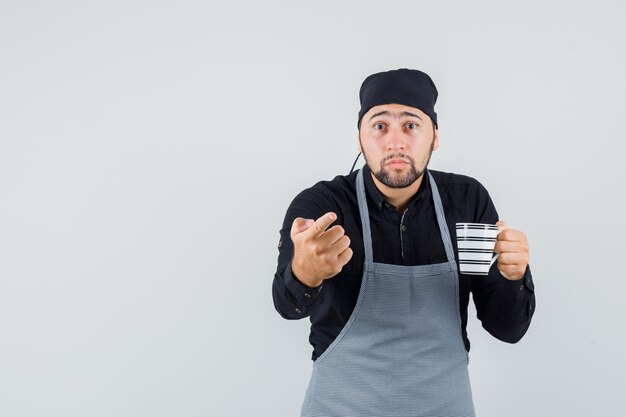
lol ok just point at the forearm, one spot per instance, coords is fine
(505, 308)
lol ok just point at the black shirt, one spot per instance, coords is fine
(411, 237)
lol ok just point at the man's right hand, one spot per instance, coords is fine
(319, 254)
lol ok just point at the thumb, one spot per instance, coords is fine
(300, 225)
(501, 225)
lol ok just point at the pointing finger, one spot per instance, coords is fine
(321, 224)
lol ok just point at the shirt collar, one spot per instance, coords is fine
(379, 198)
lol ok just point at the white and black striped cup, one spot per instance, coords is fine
(475, 242)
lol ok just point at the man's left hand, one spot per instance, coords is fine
(512, 246)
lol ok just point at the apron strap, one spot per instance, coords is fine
(365, 216)
(441, 219)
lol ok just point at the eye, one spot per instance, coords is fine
(412, 125)
(379, 126)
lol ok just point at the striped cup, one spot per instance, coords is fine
(475, 242)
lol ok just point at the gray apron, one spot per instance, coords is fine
(401, 353)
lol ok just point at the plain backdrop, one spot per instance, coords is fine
(150, 149)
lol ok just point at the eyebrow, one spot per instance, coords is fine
(386, 113)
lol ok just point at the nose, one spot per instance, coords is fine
(395, 138)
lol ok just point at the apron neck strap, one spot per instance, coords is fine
(365, 216)
(441, 219)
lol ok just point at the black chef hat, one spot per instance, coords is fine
(410, 87)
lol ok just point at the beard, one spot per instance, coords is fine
(391, 178)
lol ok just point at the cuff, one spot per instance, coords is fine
(304, 296)
(515, 289)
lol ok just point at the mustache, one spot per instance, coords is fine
(398, 156)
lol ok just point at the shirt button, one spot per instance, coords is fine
(298, 310)
(521, 287)
(403, 227)
(307, 295)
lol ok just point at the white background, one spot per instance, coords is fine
(149, 151)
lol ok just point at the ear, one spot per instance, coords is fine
(358, 142)
(436, 139)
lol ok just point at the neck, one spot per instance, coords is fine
(399, 197)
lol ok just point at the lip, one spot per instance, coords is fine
(396, 162)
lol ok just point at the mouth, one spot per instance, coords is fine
(397, 163)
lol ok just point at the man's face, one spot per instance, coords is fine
(397, 141)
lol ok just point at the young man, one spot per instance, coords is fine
(387, 305)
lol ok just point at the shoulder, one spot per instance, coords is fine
(337, 195)
(459, 190)
(332, 190)
(453, 179)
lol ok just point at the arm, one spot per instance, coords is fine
(293, 299)
(504, 306)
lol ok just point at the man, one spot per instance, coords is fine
(387, 305)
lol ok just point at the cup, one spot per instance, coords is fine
(475, 242)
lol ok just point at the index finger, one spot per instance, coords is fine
(322, 224)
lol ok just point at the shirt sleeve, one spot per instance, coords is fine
(292, 299)
(504, 307)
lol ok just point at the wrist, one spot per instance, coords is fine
(299, 274)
